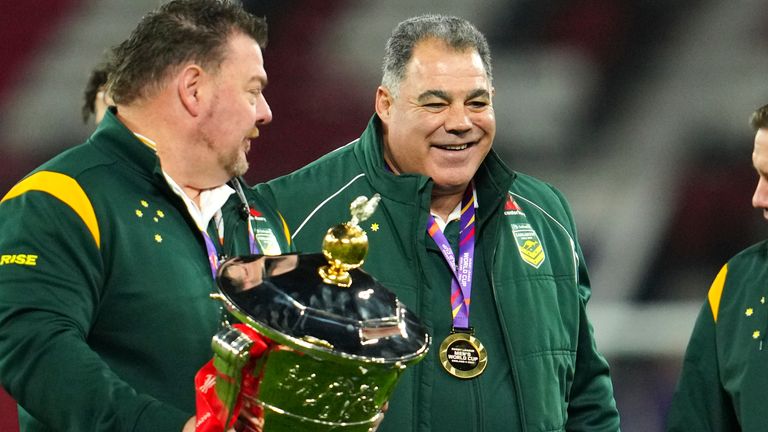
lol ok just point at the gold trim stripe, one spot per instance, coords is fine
(67, 190)
(286, 231)
(716, 291)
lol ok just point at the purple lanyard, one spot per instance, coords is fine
(213, 255)
(461, 283)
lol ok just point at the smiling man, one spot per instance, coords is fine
(455, 224)
(111, 247)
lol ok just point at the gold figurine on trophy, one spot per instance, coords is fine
(346, 245)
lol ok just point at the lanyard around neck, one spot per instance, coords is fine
(461, 283)
(214, 258)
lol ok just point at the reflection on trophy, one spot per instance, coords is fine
(337, 340)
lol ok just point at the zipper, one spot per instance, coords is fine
(507, 345)
(480, 419)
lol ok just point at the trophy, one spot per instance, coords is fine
(333, 341)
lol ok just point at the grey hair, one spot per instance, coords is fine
(456, 32)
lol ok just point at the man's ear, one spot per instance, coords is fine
(384, 101)
(189, 86)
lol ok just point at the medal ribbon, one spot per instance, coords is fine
(251, 237)
(461, 283)
(210, 247)
(213, 255)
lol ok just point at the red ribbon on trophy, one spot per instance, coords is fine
(229, 380)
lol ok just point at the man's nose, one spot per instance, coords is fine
(263, 112)
(458, 120)
(760, 197)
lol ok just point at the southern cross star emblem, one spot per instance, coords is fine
(155, 215)
(756, 334)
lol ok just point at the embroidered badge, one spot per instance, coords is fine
(267, 241)
(374, 227)
(528, 244)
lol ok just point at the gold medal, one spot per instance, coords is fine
(462, 355)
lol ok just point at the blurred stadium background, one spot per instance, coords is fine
(636, 109)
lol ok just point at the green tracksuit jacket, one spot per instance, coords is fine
(528, 303)
(725, 372)
(105, 313)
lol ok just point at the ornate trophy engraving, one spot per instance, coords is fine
(334, 341)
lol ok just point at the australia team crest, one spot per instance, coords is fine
(266, 239)
(528, 244)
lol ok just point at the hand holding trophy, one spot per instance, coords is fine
(319, 345)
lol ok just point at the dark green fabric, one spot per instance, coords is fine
(109, 338)
(724, 378)
(545, 373)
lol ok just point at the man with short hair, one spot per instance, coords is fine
(523, 356)
(724, 375)
(108, 252)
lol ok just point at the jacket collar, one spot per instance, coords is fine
(112, 137)
(369, 151)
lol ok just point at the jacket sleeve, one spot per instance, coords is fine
(700, 403)
(592, 406)
(51, 280)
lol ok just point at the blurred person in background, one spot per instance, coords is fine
(724, 376)
(96, 99)
(525, 358)
(107, 251)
